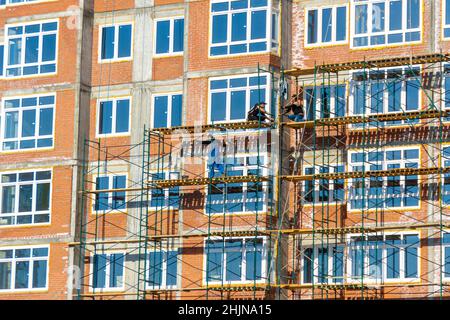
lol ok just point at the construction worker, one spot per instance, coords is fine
(259, 113)
(215, 158)
(294, 110)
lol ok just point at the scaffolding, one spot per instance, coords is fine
(354, 212)
(334, 193)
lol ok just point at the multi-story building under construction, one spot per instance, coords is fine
(130, 168)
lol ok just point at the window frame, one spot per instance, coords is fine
(20, 123)
(167, 206)
(318, 100)
(333, 41)
(171, 20)
(269, 10)
(169, 96)
(384, 163)
(13, 261)
(265, 186)
(443, 259)
(107, 288)
(386, 32)
(368, 98)
(402, 258)
(114, 117)
(444, 159)
(315, 264)
(115, 58)
(316, 186)
(39, 63)
(444, 18)
(165, 259)
(24, 2)
(110, 210)
(34, 184)
(264, 261)
(268, 95)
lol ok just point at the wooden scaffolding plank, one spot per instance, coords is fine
(154, 184)
(367, 174)
(395, 116)
(209, 127)
(378, 63)
(206, 181)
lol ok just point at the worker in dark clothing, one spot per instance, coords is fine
(259, 113)
(294, 110)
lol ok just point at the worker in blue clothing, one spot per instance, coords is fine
(215, 158)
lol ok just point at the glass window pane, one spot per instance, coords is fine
(395, 15)
(238, 99)
(218, 106)
(156, 266)
(312, 26)
(412, 14)
(239, 26)
(102, 199)
(46, 121)
(43, 197)
(100, 263)
(360, 19)
(39, 274)
(378, 17)
(393, 263)
(105, 117)
(171, 277)
(178, 35)
(25, 198)
(234, 264)
(162, 36)
(124, 41)
(5, 275)
(28, 123)
(160, 112)
(258, 24)
(177, 101)
(254, 259)
(49, 47)
(22, 274)
(447, 12)
(11, 124)
(107, 49)
(2, 56)
(341, 23)
(8, 199)
(15, 51)
(31, 49)
(122, 115)
(219, 29)
(327, 23)
(116, 270)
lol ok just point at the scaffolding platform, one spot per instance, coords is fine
(368, 174)
(243, 125)
(378, 63)
(375, 118)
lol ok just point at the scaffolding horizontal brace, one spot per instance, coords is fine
(367, 174)
(268, 286)
(375, 118)
(163, 184)
(289, 232)
(379, 63)
(205, 181)
(210, 127)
